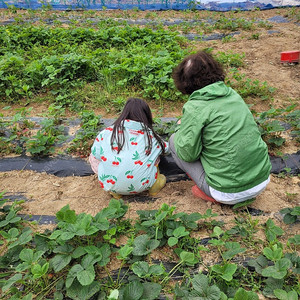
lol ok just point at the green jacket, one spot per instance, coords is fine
(218, 128)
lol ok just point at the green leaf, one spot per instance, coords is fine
(160, 216)
(216, 242)
(114, 295)
(226, 271)
(87, 276)
(272, 231)
(11, 235)
(180, 231)
(223, 296)
(58, 296)
(78, 292)
(242, 294)
(26, 255)
(65, 236)
(156, 270)
(125, 251)
(283, 295)
(106, 252)
(38, 270)
(296, 211)
(271, 285)
(102, 223)
(55, 234)
(12, 280)
(23, 239)
(187, 257)
(279, 270)
(172, 241)
(295, 239)
(90, 259)
(58, 262)
(133, 291)
(66, 215)
(140, 268)
(79, 251)
(233, 249)
(200, 284)
(143, 245)
(217, 232)
(148, 223)
(27, 297)
(259, 263)
(289, 219)
(70, 216)
(151, 290)
(92, 250)
(285, 210)
(72, 274)
(244, 203)
(273, 254)
(119, 206)
(190, 220)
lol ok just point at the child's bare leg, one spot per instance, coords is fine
(94, 162)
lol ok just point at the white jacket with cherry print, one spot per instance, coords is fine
(131, 171)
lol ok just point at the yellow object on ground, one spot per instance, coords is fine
(158, 185)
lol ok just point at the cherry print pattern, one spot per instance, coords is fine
(131, 170)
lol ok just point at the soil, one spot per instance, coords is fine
(46, 194)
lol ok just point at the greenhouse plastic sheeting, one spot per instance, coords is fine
(219, 5)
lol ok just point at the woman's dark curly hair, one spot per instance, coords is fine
(197, 71)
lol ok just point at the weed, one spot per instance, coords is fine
(247, 87)
(254, 36)
(265, 24)
(228, 39)
(293, 13)
(56, 112)
(90, 125)
(233, 24)
(11, 8)
(230, 59)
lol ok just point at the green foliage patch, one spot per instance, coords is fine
(57, 60)
(73, 259)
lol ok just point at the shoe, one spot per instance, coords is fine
(200, 194)
(158, 185)
(115, 195)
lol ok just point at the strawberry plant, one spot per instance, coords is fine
(82, 143)
(69, 260)
(293, 118)
(41, 144)
(248, 87)
(291, 215)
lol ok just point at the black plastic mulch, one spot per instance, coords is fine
(63, 166)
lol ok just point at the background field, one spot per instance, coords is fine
(93, 61)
